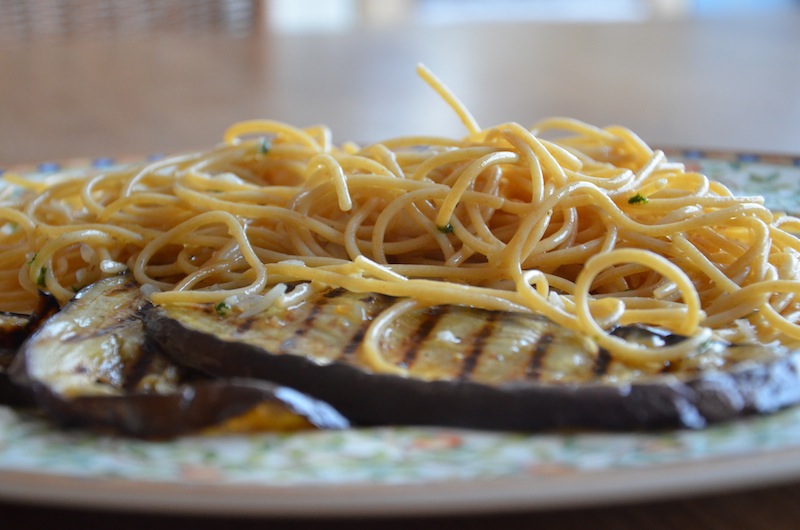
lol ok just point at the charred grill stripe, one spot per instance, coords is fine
(287, 346)
(355, 341)
(478, 343)
(602, 362)
(534, 369)
(378, 302)
(431, 317)
(369, 299)
(335, 293)
(245, 325)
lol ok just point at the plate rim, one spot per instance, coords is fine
(538, 492)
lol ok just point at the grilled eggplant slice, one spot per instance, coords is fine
(89, 365)
(14, 329)
(473, 368)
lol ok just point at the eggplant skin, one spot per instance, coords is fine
(90, 366)
(14, 330)
(194, 408)
(687, 400)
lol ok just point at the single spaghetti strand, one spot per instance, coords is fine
(466, 117)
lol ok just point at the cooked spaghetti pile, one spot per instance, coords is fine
(587, 226)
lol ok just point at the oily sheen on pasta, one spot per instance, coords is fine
(587, 226)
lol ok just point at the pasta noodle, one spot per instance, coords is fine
(588, 226)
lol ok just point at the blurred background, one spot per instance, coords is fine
(22, 19)
(336, 15)
(91, 77)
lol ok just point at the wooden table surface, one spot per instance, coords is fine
(730, 84)
(702, 83)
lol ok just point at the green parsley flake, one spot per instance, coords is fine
(222, 309)
(263, 147)
(40, 281)
(447, 229)
(638, 199)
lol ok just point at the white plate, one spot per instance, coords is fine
(411, 470)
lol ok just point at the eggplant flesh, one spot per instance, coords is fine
(472, 368)
(90, 365)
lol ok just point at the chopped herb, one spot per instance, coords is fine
(447, 229)
(263, 147)
(40, 281)
(638, 199)
(32, 259)
(221, 309)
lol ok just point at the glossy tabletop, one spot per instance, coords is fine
(707, 84)
(729, 83)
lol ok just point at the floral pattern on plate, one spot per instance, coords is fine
(390, 456)
(376, 455)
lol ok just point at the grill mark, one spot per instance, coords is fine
(354, 342)
(245, 325)
(421, 334)
(286, 345)
(352, 345)
(534, 368)
(335, 293)
(369, 298)
(602, 362)
(478, 343)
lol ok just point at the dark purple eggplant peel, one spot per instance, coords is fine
(474, 368)
(89, 365)
(14, 329)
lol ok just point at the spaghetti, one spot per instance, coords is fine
(587, 226)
